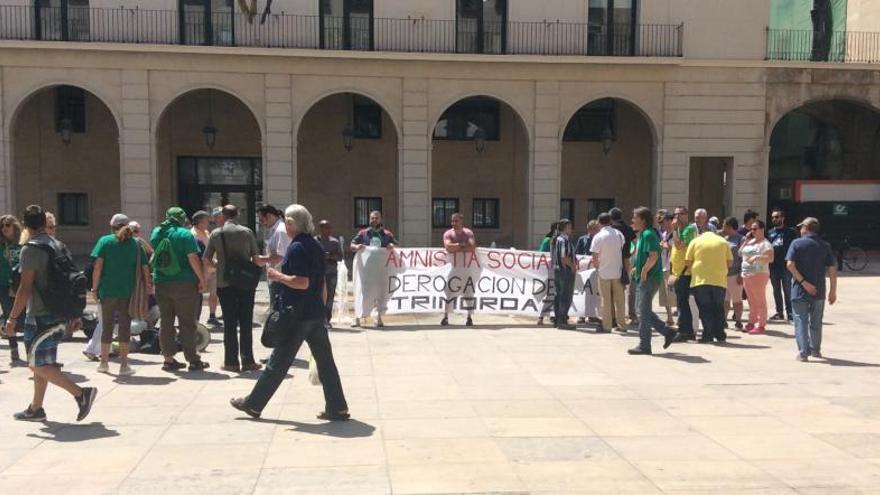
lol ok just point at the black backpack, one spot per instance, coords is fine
(65, 293)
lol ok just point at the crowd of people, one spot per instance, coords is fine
(702, 270)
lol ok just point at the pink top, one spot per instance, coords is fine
(463, 237)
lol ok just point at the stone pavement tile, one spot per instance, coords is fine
(49, 461)
(479, 477)
(147, 415)
(537, 427)
(11, 456)
(709, 475)
(421, 409)
(97, 435)
(314, 430)
(195, 481)
(868, 406)
(521, 409)
(641, 425)
(417, 387)
(573, 379)
(780, 446)
(220, 412)
(366, 451)
(792, 406)
(508, 390)
(688, 448)
(346, 480)
(395, 429)
(587, 392)
(623, 409)
(781, 490)
(826, 472)
(706, 406)
(228, 432)
(831, 423)
(62, 484)
(738, 425)
(672, 390)
(861, 445)
(555, 449)
(167, 459)
(587, 476)
(763, 390)
(443, 451)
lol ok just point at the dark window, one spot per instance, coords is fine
(73, 209)
(442, 209)
(461, 121)
(566, 209)
(362, 209)
(62, 20)
(367, 119)
(346, 24)
(207, 22)
(611, 27)
(597, 206)
(486, 213)
(481, 26)
(206, 182)
(592, 122)
(70, 108)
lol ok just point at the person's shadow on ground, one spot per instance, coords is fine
(70, 433)
(337, 429)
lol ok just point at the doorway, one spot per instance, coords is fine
(710, 183)
(206, 182)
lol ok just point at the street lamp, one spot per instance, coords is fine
(608, 139)
(480, 140)
(66, 128)
(348, 138)
(210, 133)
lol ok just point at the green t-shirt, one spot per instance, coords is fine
(9, 254)
(648, 242)
(545, 245)
(183, 244)
(118, 275)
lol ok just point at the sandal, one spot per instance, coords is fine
(335, 416)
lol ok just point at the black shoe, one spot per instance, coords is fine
(174, 365)
(669, 338)
(816, 354)
(85, 401)
(638, 351)
(738, 325)
(445, 321)
(214, 322)
(30, 415)
(197, 366)
(335, 416)
(232, 368)
(241, 406)
(703, 340)
(790, 318)
(565, 326)
(684, 337)
(582, 321)
(469, 322)
(777, 317)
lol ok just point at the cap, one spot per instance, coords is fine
(811, 222)
(216, 212)
(669, 216)
(119, 220)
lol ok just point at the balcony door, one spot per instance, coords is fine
(612, 27)
(206, 22)
(62, 20)
(347, 24)
(481, 26)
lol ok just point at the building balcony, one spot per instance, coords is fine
(817, 46)
(414, 35)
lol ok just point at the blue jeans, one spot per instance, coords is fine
(682, 300)
(648, 320)
(808, 324)
(315, 334)
(710, 301)
(780, 280)
(564, 280)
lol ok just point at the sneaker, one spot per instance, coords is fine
(816, 354)
(444, 321)
(214, 322)
(174, 365)
(242, 406)
(638, 351)
(232, 368)
(738, 325)
(104, 367)
(85, 401)
(91, 357)
(802, 358)
(469, 322)
(197, 365)
(125, 370)
(334, 416)
(582, 321)
(30, 414)
(684, 337)
(668, 339)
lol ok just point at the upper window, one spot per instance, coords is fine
(611, 28)
(481, 26)
(592, 122)
(566, 209)
(367, 118)
(442, 210)
(62, 20)
(461, 121)
(70, 109)
(597, 206)
(362, 209)
(486, 213)
(207, 22)
(346, 24)
(73, 209)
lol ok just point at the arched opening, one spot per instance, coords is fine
(347, 158)
(607, 161)
(65, 157)
(479, 168)
(825, 163)
(209, 153)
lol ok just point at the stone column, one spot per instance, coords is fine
(137, 172)
(545, 175)
(5, 159)
(415, 176)
(279, 164)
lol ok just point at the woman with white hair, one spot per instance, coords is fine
(301, 281)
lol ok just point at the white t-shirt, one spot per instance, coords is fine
(278, 241)
(609, 244)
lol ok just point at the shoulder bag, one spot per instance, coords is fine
(281, 323)
(239, 273)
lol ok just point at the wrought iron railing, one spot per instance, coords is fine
(126, 25)
(818, 46)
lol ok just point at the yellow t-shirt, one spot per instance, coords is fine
(676, 254)
(709, 256)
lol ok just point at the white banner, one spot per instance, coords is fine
(426, 280)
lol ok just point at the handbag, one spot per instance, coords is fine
(239, 273)
(281, 322)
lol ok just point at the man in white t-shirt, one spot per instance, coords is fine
(608, 258)
(276, 240)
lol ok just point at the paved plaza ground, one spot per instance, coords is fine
(505, 408)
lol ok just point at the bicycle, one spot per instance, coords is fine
(854, 257)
